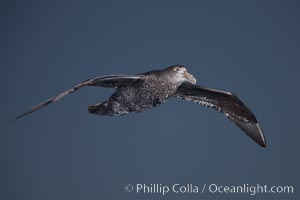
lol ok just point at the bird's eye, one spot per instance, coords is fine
(177, 69)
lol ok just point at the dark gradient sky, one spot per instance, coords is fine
(62, 152)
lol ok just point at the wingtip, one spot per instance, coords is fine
(262, 141)
(254, 131)
(263, 144)
(14, 119)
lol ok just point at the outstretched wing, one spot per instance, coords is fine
(225, 102)
(112, 81)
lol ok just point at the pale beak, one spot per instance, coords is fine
(190, 78)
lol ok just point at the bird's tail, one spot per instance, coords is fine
(99, 109)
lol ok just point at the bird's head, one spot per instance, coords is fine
(179, 74)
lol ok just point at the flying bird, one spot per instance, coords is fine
(136, 93)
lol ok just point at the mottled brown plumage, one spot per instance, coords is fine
(136, 93)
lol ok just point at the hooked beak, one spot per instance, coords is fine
(190, 78)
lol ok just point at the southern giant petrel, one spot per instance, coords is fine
(136, 93)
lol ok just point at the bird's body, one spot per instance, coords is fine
(136, 93)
